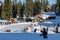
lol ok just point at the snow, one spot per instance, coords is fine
(20, 26)
(48, 14)
(19, 35)
(51, 22)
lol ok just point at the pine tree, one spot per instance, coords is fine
(29, 8)
(37, 6)
(14, 11)
(7, 9)
(53, 7)
(19, 10)
(58, 4)
(23, 10)
(0, 9)
(44, 4)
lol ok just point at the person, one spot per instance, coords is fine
(28, 29)
(47, 29)
(56, 29)
(35, 30)
(44, 33)
(57, 25)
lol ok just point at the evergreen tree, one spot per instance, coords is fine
(23, 10)
(19, 9)
(14, 11)
(53, 7)
(7, 9)
(58, 4)
(29, 8)
(44, 4)
(0, 9)
(37, 6)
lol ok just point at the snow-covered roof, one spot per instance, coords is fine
(47, 14)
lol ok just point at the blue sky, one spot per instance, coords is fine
(50, 1)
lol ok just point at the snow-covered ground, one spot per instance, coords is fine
(51, 22)
(18, 27)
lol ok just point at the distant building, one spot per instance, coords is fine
(45, 15)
